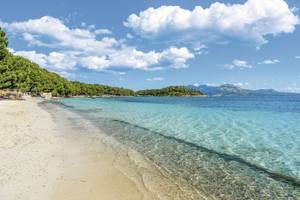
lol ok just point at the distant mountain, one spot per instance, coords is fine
(229, 89)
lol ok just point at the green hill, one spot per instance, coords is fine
(19, 73)
(170, 91)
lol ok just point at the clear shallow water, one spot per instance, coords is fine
(230, 147)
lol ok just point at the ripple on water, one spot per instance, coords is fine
(236, 153)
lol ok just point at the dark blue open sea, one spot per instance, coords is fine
(227, 147)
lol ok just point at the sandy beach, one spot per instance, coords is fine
(29, 151)
(44, 156)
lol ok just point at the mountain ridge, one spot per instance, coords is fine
(231, 89)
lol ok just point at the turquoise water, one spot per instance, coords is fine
(229, 147)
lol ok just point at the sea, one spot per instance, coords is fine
(230, 147)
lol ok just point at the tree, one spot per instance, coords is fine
(3, 44)
(170, 91)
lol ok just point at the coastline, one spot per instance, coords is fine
(51, 153)
(216, 174)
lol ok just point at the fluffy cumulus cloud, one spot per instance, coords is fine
(240, 64)
(172, 57)
(122, 59)
(53, 60)
(32, 55)
(270, 61)
(52, 32)
(79, 47)
(250, 21)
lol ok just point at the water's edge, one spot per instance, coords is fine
(160, 184)
(222, 175)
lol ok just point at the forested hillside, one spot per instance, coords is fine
(170, 91)
(19, 73)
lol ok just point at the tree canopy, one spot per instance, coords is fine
(19, 73)
(3, 44)
(170, 91)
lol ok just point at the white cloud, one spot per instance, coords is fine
(241, 64)
(200, 47)
(242, 84)
(270, 61)
(212, 84)
(53, 31)
(65, 74)
(33, 56)
(155, 79)
(103, 32)
(78, 47)
(122, 59)
(54, 60)
(129, 36)
(31, 39)
(207, 84)
(95, 62)
(176, 57)
(172, 57)
(251, 21)
(62, 60)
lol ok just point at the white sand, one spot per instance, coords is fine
(40, 159)
(28, 151)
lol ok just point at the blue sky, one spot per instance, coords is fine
(149, 44)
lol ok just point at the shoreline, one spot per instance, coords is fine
(62, 156)
(151, 181)
(217, 175)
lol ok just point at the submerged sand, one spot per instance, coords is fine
(57, 155)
